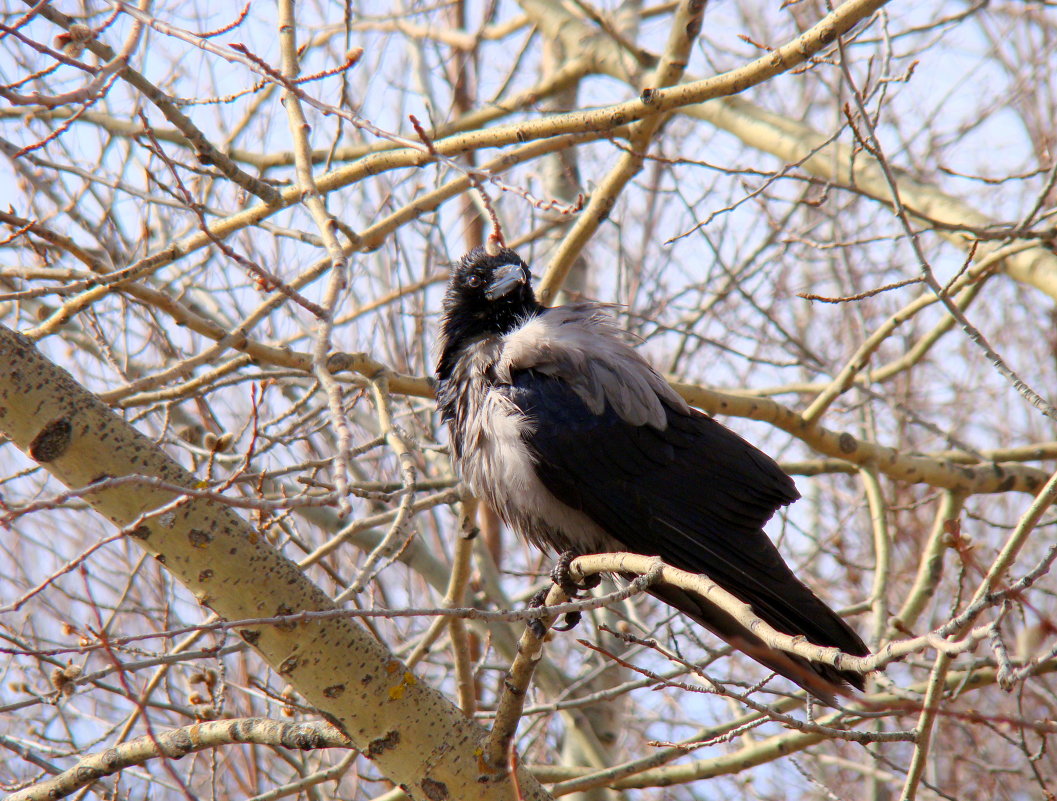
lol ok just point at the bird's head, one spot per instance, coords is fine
(488, 293)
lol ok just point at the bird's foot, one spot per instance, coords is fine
(561, 575)
(536, 624)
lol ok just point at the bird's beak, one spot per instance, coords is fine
(504, 280)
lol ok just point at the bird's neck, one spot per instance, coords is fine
(461, 328)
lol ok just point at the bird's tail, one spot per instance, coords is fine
(823, 681)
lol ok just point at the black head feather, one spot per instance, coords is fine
(488, 295)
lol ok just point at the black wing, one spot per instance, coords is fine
(695, 494)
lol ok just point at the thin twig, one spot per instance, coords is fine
(530, 651)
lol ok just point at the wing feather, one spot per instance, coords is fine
(692, 492)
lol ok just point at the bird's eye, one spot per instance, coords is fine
(473, 281)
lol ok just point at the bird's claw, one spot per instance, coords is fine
(537, 628)
(561, 576)
(536, 625)
(569, 622)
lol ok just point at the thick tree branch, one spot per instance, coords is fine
(178, 743)
(414, 734)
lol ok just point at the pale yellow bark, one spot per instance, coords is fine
(415, 735)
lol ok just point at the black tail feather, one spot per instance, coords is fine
(821, 680)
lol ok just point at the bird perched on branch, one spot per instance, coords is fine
(581, 447)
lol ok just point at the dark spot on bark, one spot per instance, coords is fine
(237, 731)
(334, 690)
(338, 362)
(88, 775)
(161, 558)
(205, 575)
(289, 665)
(51, 441)
(380, 745)
(109, 760)
(305, 740)
(847, 443)
(141, 532)
(250, 635)
(512, 688)
(180, 743)
(199, 538)
(333, 721)
(647, 96)
(434, 790)
(100, 477)
(281, 611)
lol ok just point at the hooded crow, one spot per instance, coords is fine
(580, 446)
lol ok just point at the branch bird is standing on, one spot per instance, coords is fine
(582, 447)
